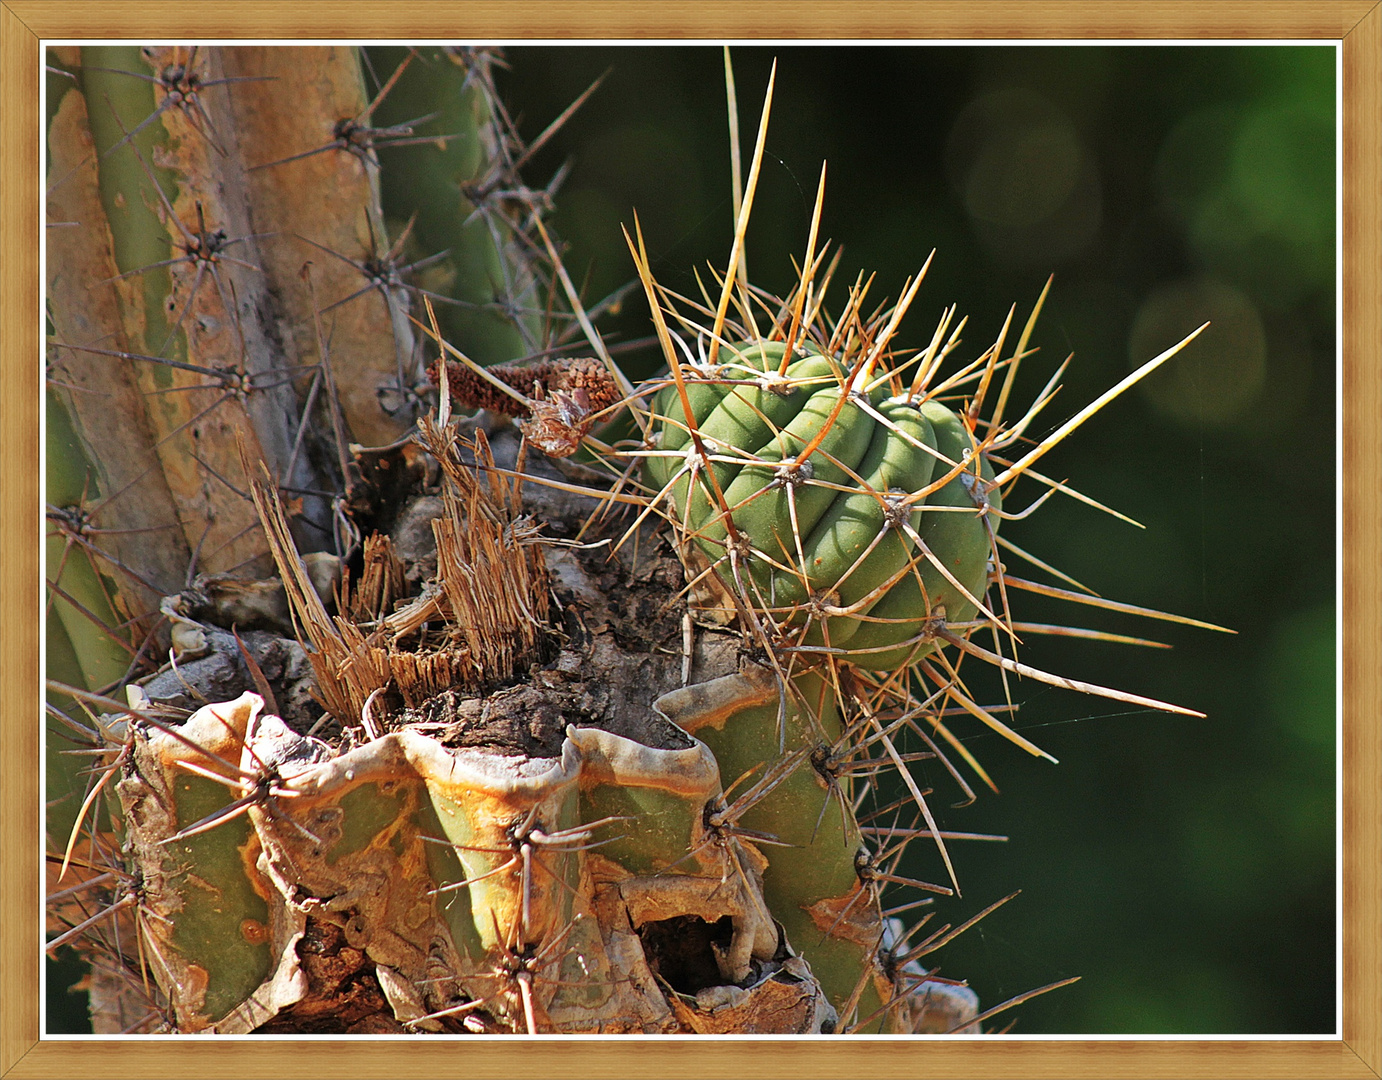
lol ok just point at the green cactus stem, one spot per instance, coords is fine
(863, 515)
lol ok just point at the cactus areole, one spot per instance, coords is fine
(861, 527)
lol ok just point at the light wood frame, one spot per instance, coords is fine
(1358, 23)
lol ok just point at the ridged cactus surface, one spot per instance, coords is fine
(864, 513)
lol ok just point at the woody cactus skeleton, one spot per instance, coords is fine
(627, 783)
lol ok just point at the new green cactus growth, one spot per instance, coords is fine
(862, 515)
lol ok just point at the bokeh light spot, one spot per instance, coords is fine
(1020, 177)
(1220, 376)
(1027, 181)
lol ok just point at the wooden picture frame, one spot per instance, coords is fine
(1358, 23)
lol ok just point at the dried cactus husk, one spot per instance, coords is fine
(205, 914)
(413, 855)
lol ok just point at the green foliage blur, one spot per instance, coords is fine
(1183, 868)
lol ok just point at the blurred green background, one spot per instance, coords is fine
(1184, 868)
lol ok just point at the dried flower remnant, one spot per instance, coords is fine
(481, 620)
(556, 402)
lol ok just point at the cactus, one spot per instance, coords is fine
(453, 734)
(856, 498)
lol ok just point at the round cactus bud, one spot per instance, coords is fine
(819, 510)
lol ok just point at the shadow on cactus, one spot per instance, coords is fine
(600, 722)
